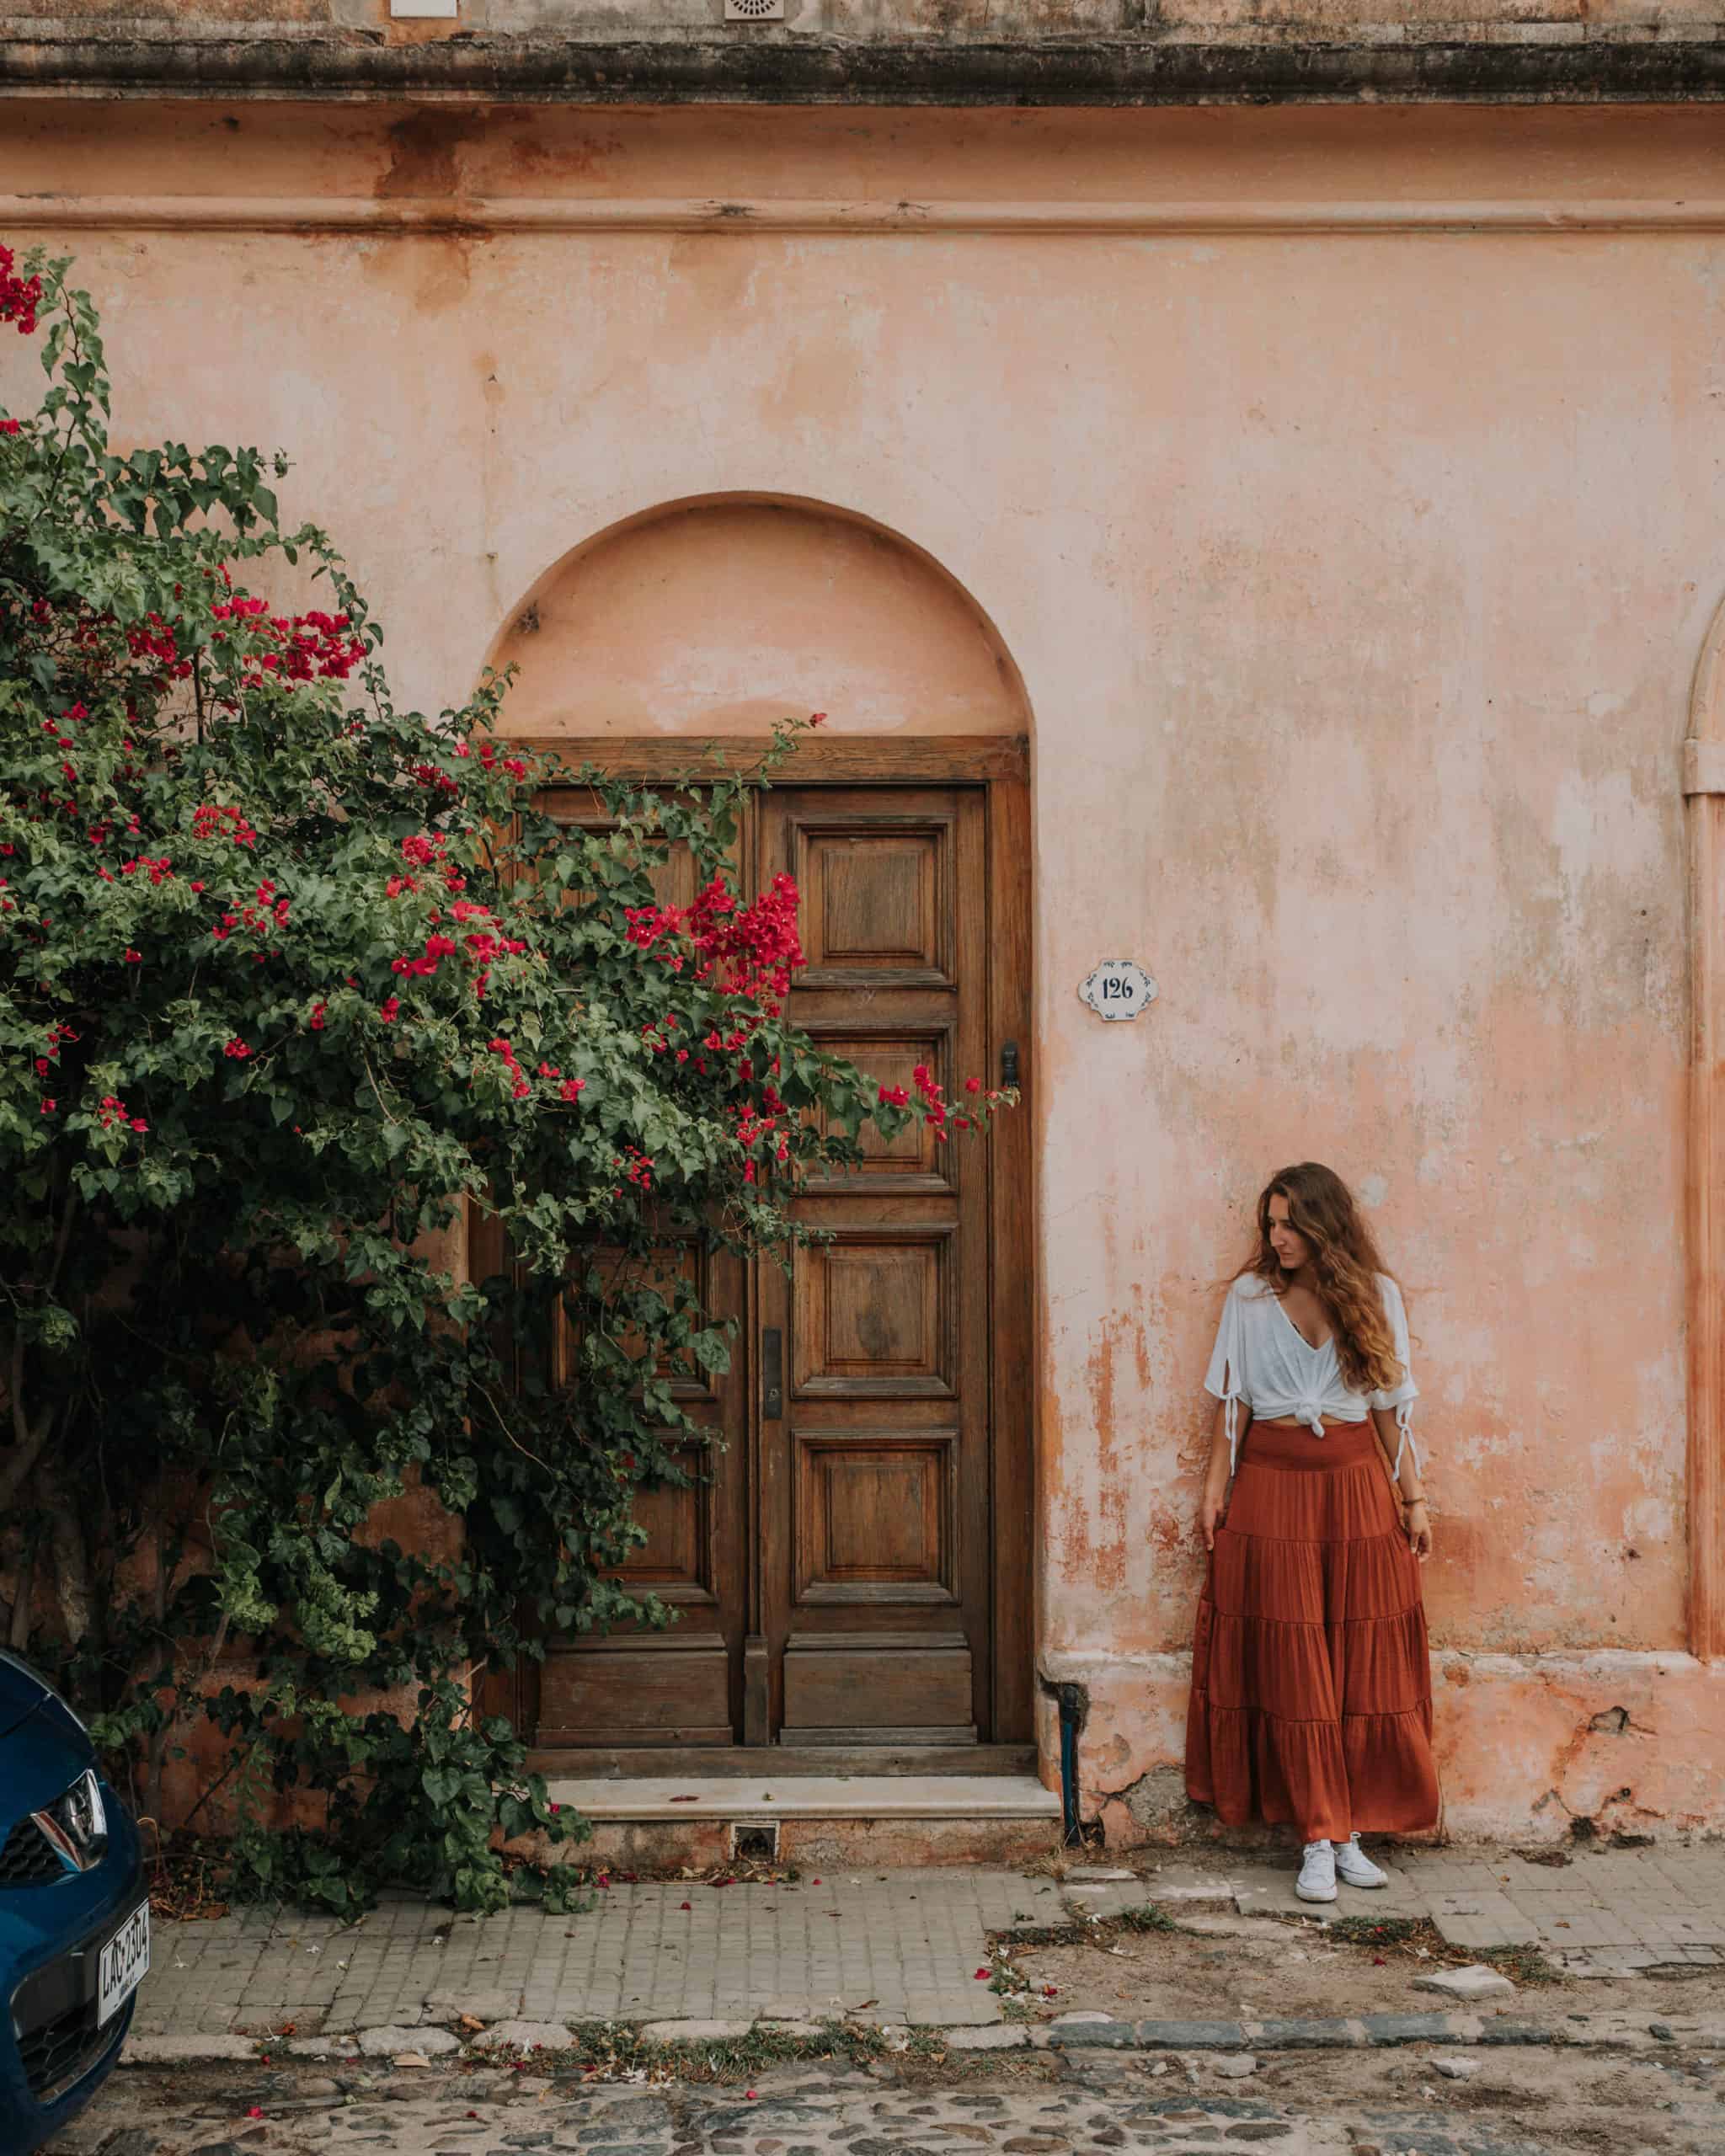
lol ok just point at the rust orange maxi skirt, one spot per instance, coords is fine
(1311, 1690)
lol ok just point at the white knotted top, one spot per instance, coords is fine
(1261, 1357)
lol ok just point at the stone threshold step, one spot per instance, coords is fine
(767, 1796)
(659, 1762)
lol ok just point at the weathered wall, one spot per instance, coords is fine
(945, 20)
(883, 52)
(1355, 572)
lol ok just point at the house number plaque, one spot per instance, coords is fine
(1119, 988)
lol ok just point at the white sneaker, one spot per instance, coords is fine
(1317, 1873)
(1355, 1868)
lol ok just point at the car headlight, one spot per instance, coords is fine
(85, 1814)
(36, 1677)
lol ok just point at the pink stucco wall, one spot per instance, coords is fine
(1355, 572)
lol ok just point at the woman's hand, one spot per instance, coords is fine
(1417, 1524)
(1212, 1507)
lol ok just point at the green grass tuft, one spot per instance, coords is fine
(1522, 1965)
(1376, 1931)
(1148, 1916)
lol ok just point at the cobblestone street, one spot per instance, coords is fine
(1520, 2103)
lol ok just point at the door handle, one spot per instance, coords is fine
(1009, 1063)
(773, 1374)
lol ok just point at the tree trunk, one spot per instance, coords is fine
(80, 1609)
(18, 1629)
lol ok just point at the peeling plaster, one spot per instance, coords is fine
(1570, 1745)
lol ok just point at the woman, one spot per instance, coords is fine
(1312, 1694)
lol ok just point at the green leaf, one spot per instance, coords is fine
(711, 1350)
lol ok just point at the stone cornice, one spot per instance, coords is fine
(1540, 65)
(493, 216)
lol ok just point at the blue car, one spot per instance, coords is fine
(74, 1918)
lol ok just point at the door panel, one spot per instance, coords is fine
(645, 1689)
(866, 1687)
(877, 888)
(877, 1516)
(676, 1561)
(874, 1316)
(913, 1160)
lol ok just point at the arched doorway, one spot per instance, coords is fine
(853, 1583)
(721, 613)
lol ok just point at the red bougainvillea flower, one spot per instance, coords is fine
(489, 757)
(237, 1049)
(504, 1051)
(297, 647)
(19, 297)
(749, 952)
(213, 821)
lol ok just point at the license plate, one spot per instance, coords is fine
(125, 1959)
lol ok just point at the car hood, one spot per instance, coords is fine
(20, 1695)
(40, 1757)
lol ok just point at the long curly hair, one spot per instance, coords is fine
(1345, 1260)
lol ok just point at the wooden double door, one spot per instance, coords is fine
(852, 1578)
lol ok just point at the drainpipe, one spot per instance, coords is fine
(1072, 1703)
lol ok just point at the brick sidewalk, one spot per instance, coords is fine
(901, 1946)
(1605, 1912)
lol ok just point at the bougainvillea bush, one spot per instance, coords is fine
(289, 981)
